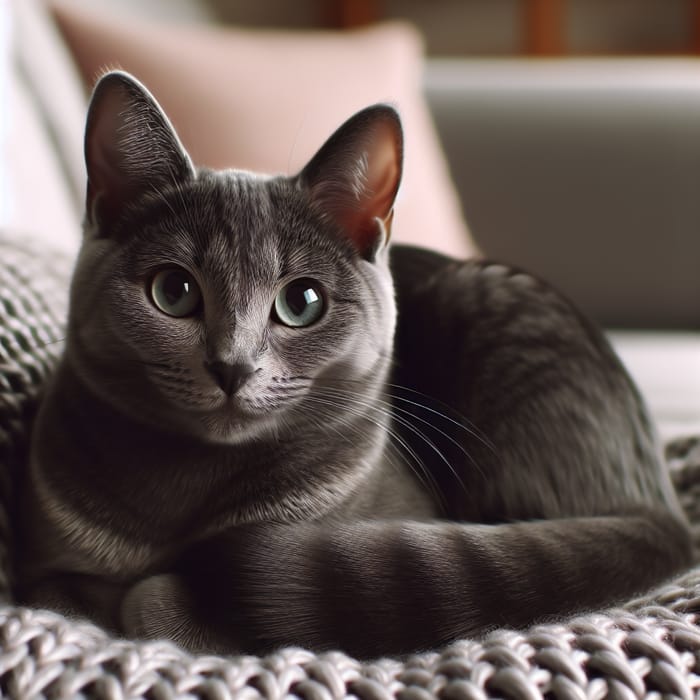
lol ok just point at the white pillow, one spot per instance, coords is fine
(42, 176)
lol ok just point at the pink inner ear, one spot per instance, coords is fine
(373, 189)
(383, 180)
(101, 151)
(130, 147)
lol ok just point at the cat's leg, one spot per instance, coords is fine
(163, 607)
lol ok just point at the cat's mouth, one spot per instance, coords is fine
(238, 418)
(248, 413)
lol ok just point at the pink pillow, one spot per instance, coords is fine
(267, 100)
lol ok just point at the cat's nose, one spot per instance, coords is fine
(230, 376)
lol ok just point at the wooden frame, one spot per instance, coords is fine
(543, 23)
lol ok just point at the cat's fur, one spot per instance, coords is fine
(504, 472)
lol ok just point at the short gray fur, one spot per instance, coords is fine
(481, 470)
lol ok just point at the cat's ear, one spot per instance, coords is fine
(354, 177)
(130, 148)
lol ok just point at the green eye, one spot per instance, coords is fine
(175, 292)
(300, 303)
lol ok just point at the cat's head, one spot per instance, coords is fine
(226, 303)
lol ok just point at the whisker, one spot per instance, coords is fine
(437, 429)
(15, 346)
(48, 343)
(463, 423)
(419, 469)
(404, 423)
(325, 425)
(389, 412)
(445, 434)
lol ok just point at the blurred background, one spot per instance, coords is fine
(478, 27)
(580, 165)
(560, 136)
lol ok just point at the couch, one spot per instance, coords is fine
(581, 172)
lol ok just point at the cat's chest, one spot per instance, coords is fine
(99, 514)
(58, 536)
(110, 497)
(122, 524)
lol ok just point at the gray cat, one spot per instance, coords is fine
(237, 454)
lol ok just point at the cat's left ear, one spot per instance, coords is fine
(354, 177)
(130, 148)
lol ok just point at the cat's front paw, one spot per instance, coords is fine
(163, 607)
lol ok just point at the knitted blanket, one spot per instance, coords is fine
(649, 647)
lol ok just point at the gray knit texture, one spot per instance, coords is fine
(650, 647)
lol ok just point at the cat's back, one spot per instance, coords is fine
(491, 296)
(546, 402)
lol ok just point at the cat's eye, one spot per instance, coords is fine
(299, 303)
(175, 292)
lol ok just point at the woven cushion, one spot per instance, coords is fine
(650, 646)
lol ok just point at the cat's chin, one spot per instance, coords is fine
(233, 432)
(231, 426)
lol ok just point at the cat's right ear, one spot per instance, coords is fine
(354, 178)
(130, 148)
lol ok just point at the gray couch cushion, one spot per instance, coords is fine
(585, 172)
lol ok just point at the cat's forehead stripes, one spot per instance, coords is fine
(260, 227)
(235, 242)
(241, 235)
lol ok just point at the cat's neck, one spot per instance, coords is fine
(117, 459)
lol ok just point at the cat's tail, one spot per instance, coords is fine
(374, 588)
